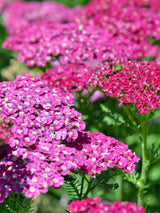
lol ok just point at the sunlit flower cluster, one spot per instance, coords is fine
(94, 205)
(104, 151)
(41, 43)
(130, 82)
(38, 120)
(37, 113)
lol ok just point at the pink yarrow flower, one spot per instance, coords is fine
(124, 19)
(72, 43)
(134, 82)
(94, 205)
(104, 152)
(69, 78)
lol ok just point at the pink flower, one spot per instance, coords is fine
(125, 19)
(94, 205)
(104, 152)
(69, 78)
(97, 95)
(135, 82)
(72, 43)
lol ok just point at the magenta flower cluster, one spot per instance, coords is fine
(69, 78)
(135, 82)
(45, 139)
(28, 13)
(105, 152)
(94, 205)
(125, 19)
(30, 104)
(71, 43)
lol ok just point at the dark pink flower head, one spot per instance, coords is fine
(41, 43)
(94, 205)
(106, 6)
(33, 12)
(69, 78)
(133, 82)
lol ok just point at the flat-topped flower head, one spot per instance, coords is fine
(41, 43)
(69, 78)
(124, 19)
(103, 152)
(33, 111)
(33, 12)
(130, 82)
(35, 121)
(32, 169)
(94, 205)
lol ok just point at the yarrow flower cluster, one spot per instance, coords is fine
(94, 205)
(38, 119)
(45, 140)
(104, 152)
(124, 19)
(133, 82)
(40, 43)
(30, 104)
(70, 77)
(33, 12)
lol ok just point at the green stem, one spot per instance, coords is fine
(82, 184)
(145, 122)
(142, 180)
(88, 189)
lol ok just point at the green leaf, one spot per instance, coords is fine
(112, 118)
